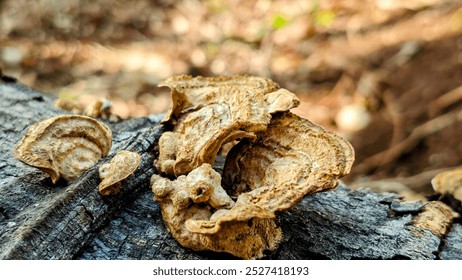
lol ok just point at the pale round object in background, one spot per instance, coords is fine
(12, 56)
(352, 118)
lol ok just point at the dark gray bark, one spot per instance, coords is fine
(39, 220)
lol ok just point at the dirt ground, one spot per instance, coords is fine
(386, 74)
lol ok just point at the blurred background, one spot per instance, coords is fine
(385, 74)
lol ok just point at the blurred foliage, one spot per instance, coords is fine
(324, 18)
(321, 17)
(279, 21)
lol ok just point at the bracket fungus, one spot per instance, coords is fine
(122, 165)
(209, 112)
(64, 146)
(449, 182)
(291, 159)
(198, 197)
(280, 158)
(100, 108)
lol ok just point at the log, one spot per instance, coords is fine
(39, 220)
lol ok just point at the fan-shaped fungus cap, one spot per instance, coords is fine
(241, 90)
(280, 159)
(209, 112)
(289, 160)
(122, 165)
(449, 182)
(64, 146)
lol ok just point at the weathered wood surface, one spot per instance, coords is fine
(72, 221)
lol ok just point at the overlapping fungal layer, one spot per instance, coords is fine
(122, 165)
(199, 196)
(209, 112)
(289, 160)
(280, 159)
(64, 146)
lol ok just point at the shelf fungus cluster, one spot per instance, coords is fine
(209, 112)
(277, 159)
(64, 146)
(101, 108)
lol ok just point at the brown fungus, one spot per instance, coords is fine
(122, 165)
(64, 146)
(199, 197)
(100, 108)
(449, 182)
(289, 160)
(279, 159)
(68, 105)
(209, 112)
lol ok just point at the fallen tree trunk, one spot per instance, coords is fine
(39, 220)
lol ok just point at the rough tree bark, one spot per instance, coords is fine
(39, 220)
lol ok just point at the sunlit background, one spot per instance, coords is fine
(386, 74)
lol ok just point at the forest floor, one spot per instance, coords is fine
(387, 75)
